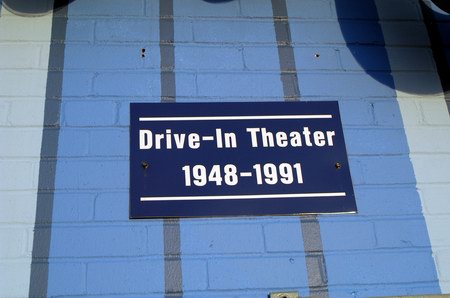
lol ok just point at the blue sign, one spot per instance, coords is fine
(234, 159)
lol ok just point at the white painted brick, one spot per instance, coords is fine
(25, 29)
(430, 139)
(417, 84)
(16, 175)
(19, 56)
(409, 58)
(435, 112)
(26, 113)
(4, 110)
(440, 229)
(399, 33)
(21, 142)
(444, 257)
(431, 168)
(12, 281)
(17, 207)
(13, 242)
(436, 198)
(19, 83)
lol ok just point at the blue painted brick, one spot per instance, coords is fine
(239, 85)
(382, 290)
(184, 31)
(364, 9)
(92, 174)
(234, 31)
(73, 207)
(387, 113)
(305, 58)
(74, 84)
(388, 201)
(186, 84)
(98, 241)
(404, 233)
(111, 142)
(112, 207)
(284, 237)
(348, 235)
(355, 112)
(71, 279)
(208, 57)
(127, 30)
(375, 141)
(124, 108)
(319, 32)
(89, 113)
(80, 30)
(399, 33)
(215, 239)
(127, 84)
(98, 57)
(73, 142)
(126, 277)
(256, 9)
(152, 8)
(364, 58)
(206, 9)
(254, 273)
(106, 8)
(344, 85)
(155, 240)
(309, 9)
(195, 275)
(380, 268)
(261, 58)
(387, 170)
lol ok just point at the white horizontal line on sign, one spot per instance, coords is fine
(247, 197)
(210, 118)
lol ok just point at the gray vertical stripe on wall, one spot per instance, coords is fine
(315, 261)
(173, 275)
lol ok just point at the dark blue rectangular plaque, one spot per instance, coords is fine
(235, 159)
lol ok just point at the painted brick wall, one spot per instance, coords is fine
(361, 54)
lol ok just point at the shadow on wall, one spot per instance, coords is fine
(33, 8)
(406, 82)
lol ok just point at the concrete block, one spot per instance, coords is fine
(346, 9)
(435, 198)
(112, 207)
(344, 85)
(398, 10)
(221, 239)
(67, 279)
(206, 9)
(309, 9)
(111, 142)
(127, 30)
(125, 277)
(239, 85)
(356, 112)
(255, 8)
(72, 207)
(26, 113)
(364, 58)
(16, 56)
(411, 59)
(74, 84)
(375, 141)
(387, 113)
(89, 113)
(97, 241)
(255, 273)
(195, 275)
(438, 230)
(107, 8)
(376, 268)
(19, 83)
(80, 30)
(261, 58)
(208, 58)
(399, 33)
(14, 242)
(97, 57)
(386, 201)
(284, 237)
(444, 258)
(389, 170)
(10, 170)
(347, 235)
(435, 112)
(127, 84)
(430, 140)
(22, 142)
(15, 207)
(234, 31)
(83, 174)
(402, 233)
(73, 142)
(431, 168)
(12, 283)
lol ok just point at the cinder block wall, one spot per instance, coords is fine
(64, 171)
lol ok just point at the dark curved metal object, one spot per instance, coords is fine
(33, 8)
